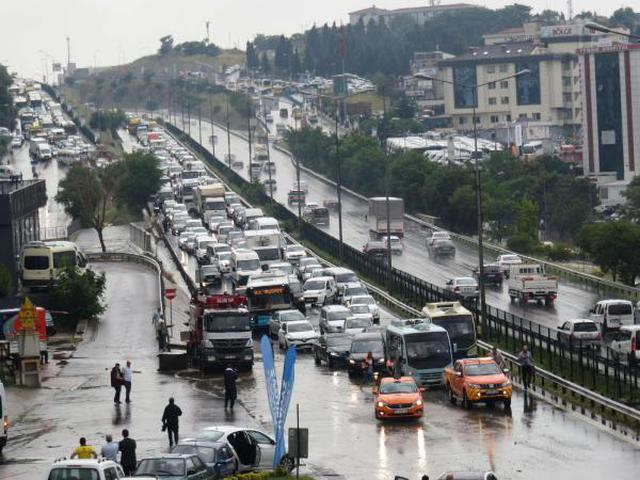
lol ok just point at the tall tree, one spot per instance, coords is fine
(87, 195)
(252, 57)
(137, 178)
(265, 66)
(166, 44)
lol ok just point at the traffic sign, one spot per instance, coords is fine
(27, 315)
(170, 293)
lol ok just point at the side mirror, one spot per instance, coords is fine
(505, 370)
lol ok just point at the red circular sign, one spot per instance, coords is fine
(170, 293)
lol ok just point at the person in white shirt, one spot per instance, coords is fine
(110, 449)
(127, 374)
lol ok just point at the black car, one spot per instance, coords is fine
(361, 345)
(333, 348)
(492, 274)
(377, 250)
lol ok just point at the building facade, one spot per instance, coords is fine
(418, 14)
(19, 220)
(611, 99)
(550, 93)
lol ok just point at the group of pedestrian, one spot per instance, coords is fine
(122, 377)
(126, 447)
(162, 332)
(525, 359)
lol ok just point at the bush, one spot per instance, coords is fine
(79, 294)
(6, 285)
(558, 253)
(522, 244)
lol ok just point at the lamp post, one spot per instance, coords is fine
(213, 137)
(249, 134)
(602, 29)
(264, 115)
(474, 90)
(228, 134)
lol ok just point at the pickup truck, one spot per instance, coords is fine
(527, 281)
(476, 380)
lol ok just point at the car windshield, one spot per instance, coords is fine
(585, 327)
(359, 309)
(510, 258)
(363, 301)
(299, 327)
(209, 435)
(428, 350)
(398, 387)
(339, 315)
(291, 316)
(479, 369)
(253, 264)
(224, 256)
(357, 323)
(339, 342)
(227, 323)
(460, 329)
(69, 473)
(619, 309)
(295, 249)
(365, 346)
(352, 292)
(314, 285)
(162, 467)
(346, 277)
(466, 282)
(206, 454)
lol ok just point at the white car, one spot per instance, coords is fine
(95, 469)
(223, 260)
(396, 244)
(370, 302)
(320, 290)
(624, 343)
(298, 333)
(463, 287)
(438, 235)
(579, 333)
(294, 253)
(361, 311)
(353, 325)
(505, 262)
(253, 449)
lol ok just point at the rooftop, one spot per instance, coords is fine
(426, 8)
(503, 51)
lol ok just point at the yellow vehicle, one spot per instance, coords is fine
(459, 324)
(477, 380)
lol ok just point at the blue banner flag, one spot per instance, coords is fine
(270, 376)
(286, 391)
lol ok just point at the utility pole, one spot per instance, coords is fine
(213, 138)
(189, 115)
(264, 114)
(228, 135)
(199, 125)
(68, 51)
(338, 182)
(249, 133)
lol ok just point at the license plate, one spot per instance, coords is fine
(491, 392)
(211, 359)
(400, 411)
(229, 356)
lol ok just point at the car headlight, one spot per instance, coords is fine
(351, 361)
(333, 354)
(380, 404)
(418, 403)
(381, 360)
(249, 343)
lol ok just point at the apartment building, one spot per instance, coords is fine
(419, 14)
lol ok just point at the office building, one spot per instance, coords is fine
(419, 14)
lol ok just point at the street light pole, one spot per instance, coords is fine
(213, 137)
(228, 134)
(339, 183)
(199, 125)
(249, 134)
(264, 114)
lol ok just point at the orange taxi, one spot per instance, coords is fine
(475, 380)
(398, 398)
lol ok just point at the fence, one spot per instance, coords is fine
(140, 237)
(600, 371)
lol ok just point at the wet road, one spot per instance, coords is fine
(573, 300)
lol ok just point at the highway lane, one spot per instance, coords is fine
(573, 300)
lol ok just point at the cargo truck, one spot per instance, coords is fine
(220, 331)
(377, 217)
(210, 201)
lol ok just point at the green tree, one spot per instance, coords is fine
(251, 56)
(107, 119)
(612, 245)
(87, 195)
(7, 110)
(632, 194)
(137, 178)
(79, 293)
(525, 239)
(6, 284)
(265, 66)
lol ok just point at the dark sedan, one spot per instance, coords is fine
(333, 349)
(492, 274)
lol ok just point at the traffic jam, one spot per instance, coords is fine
(255, 280)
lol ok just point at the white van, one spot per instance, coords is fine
(44, 152)
(4, 416)
(244, 263)
(42, 262)
(264, 223)
(249, 214)
(612, 313)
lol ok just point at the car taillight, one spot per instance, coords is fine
(456, 289)
(5, 423)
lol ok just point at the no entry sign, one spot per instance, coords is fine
(170, 293)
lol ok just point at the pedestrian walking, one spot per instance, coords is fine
(171, 421)
(110, 449)
(526, 365)
(367, 369)
(127, 447)
(84, 451)
(155, 319)
(497, 357)
(116, 382)
(127, 375)
(230, 391)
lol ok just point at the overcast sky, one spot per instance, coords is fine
(108, 32)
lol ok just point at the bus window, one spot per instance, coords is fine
(64, 259)
(36, 262)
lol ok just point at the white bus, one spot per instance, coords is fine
(42, 262)
(459, 324)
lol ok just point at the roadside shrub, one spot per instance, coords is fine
(522, 244)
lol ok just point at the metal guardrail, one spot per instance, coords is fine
(145, 260)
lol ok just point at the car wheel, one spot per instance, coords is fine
(465, 401)
(331, 363)
(452, 397)
(507, 403)
(288, 463)
(317, 359)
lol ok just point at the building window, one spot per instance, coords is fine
(494, 119)
(507, 117)
(464, 96)
(522, 116)
(504, 68)
(504, 84)
(504, 100)
(476, 120)
(492, 86)
(566, 81)
(492, 101)
(536, 116)
(566, 97)
(461, 120)
(609, 115)
(491, 69)
(528, 86)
